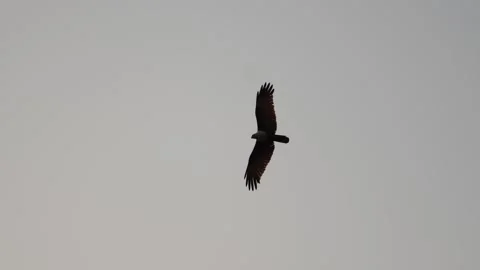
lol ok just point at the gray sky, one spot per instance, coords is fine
(125, 134)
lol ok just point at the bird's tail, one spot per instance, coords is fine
(281, 138)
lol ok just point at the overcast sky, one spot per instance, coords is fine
(125, 134)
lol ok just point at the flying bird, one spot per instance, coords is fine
(265, 136)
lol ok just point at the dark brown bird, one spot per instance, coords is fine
(265, 136)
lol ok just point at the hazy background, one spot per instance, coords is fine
(125, 134)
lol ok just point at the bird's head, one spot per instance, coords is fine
(260, 135)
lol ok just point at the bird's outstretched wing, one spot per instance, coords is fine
(258, 161)
(265, 109)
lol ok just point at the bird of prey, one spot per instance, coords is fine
(265, 136)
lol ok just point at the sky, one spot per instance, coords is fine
(125, 135)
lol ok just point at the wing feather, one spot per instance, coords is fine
(265, 109)
(257, 163)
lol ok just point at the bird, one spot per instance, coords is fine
(265, 137)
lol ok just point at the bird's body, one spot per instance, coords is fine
(265, 136)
